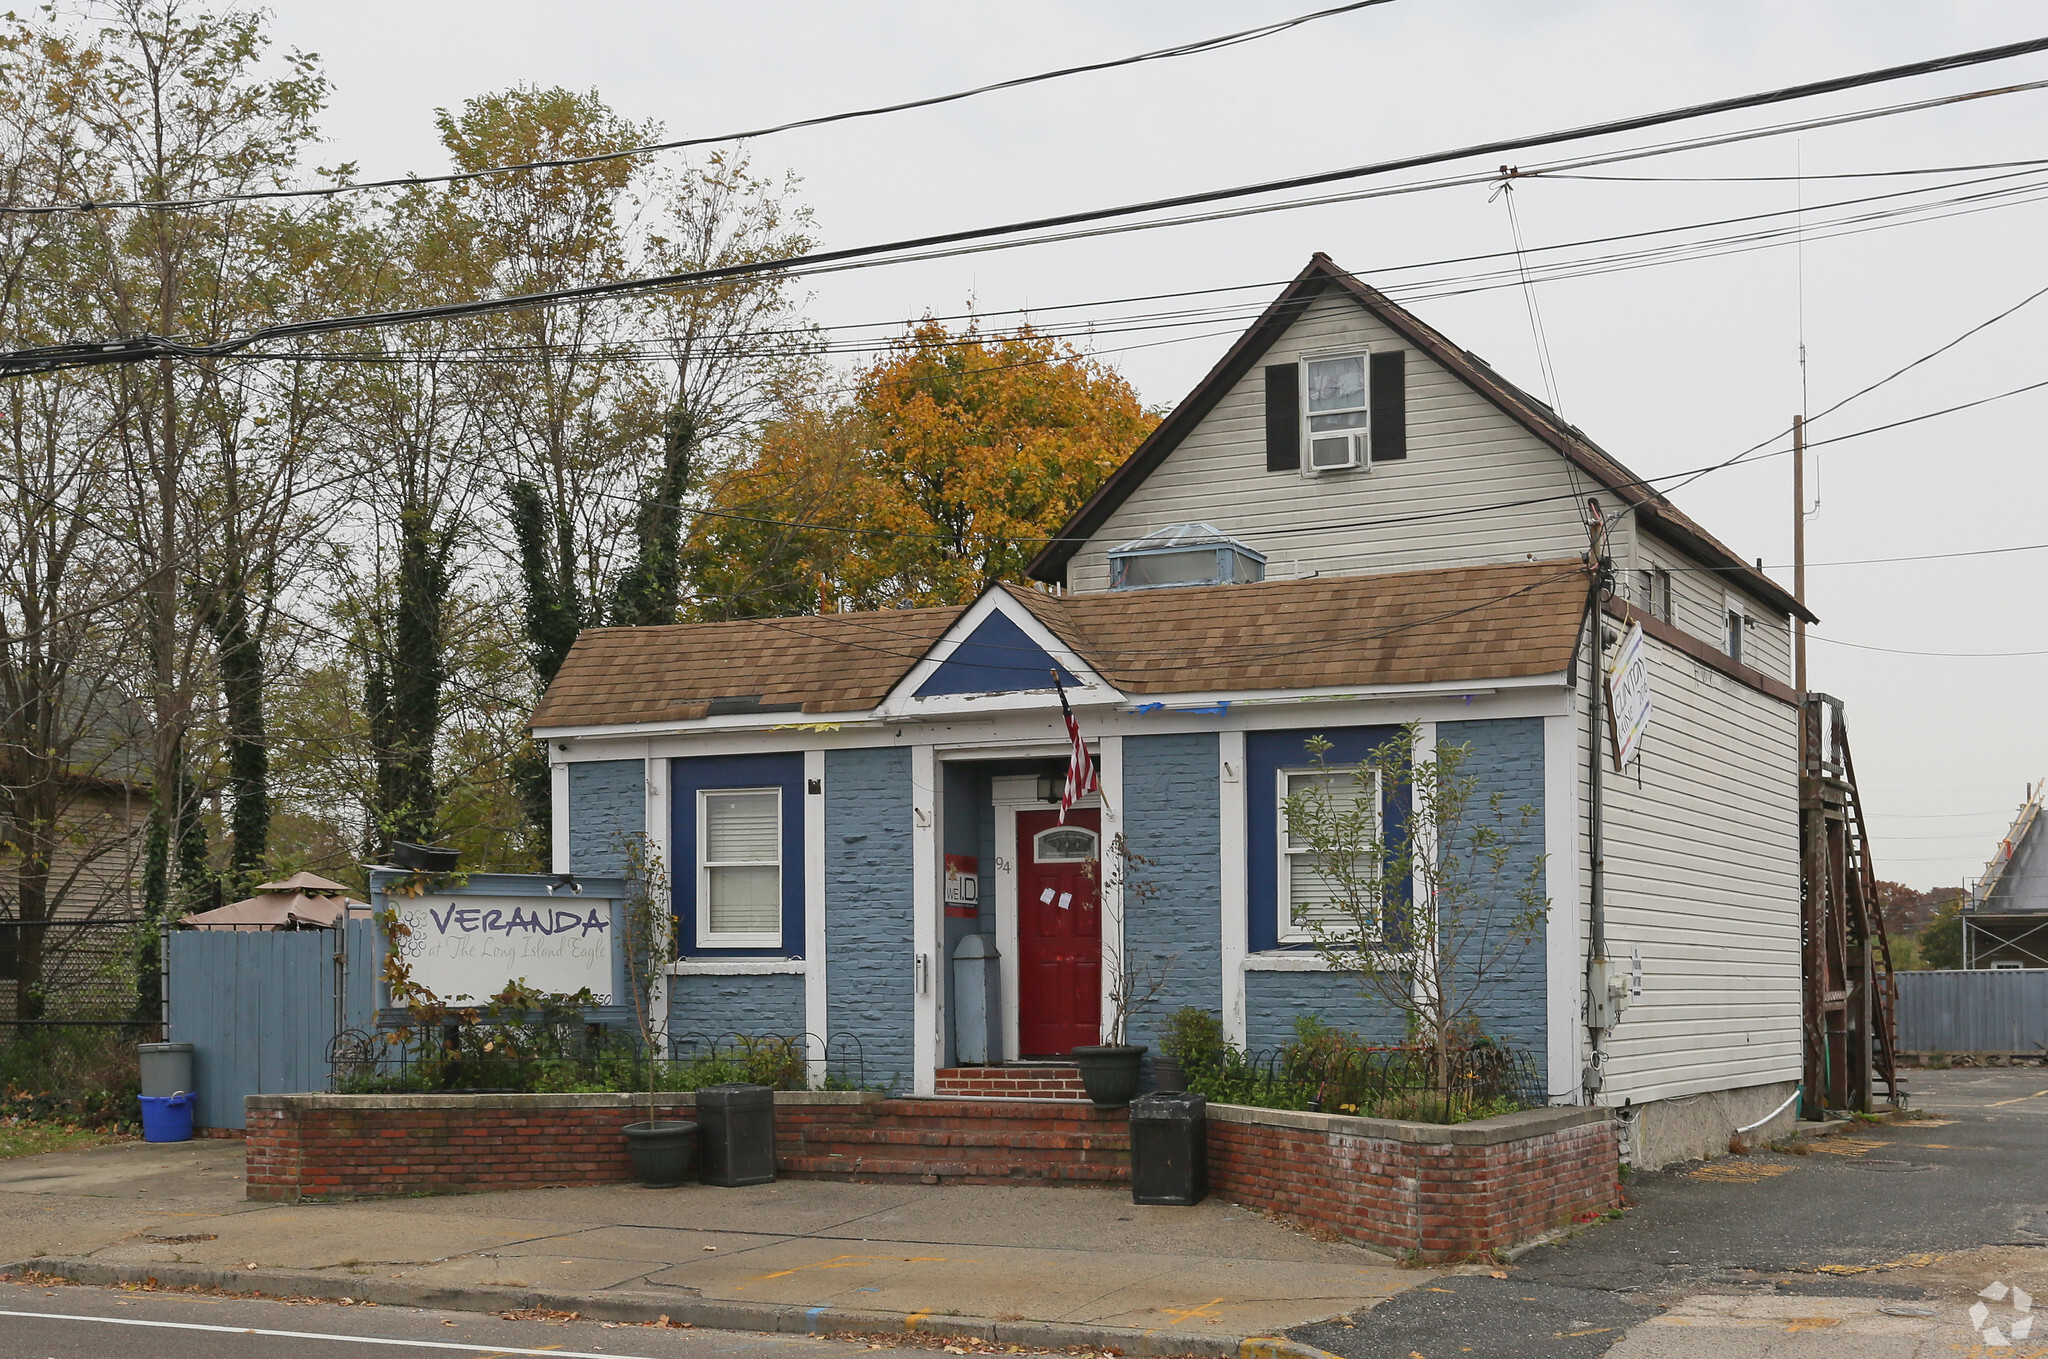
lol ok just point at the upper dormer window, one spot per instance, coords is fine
(1334, 406)
(1334, 412)
(1184, 554)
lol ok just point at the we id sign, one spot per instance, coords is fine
(1628, 697)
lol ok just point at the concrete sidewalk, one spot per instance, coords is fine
(1028, 1265)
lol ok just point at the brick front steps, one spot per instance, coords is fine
(1439, 1192)
(1033, 1081)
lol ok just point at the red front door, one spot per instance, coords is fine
(1059, 932)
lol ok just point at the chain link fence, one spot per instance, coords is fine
(73, 1005)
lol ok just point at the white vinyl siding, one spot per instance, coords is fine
(739, 867)
(1699, 600)
(1466, 463)
(1703, 877)
(1305, 892)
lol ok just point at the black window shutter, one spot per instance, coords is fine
(1388, 398)
(1283, 418)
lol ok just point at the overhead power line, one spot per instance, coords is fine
(1187, 49)
(1943, 655)
(647, 348)
(89, 353)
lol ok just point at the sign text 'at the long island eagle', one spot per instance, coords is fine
(470, 947)
(1628, 697)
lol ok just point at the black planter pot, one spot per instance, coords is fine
(424, 858)
(1166, 1075)
(664, 1151)
(1110, 1073)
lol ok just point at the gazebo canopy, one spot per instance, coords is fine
(302, 901)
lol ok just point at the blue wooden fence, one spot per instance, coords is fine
(260, 1008)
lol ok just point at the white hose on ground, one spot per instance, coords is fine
(1775, 1112)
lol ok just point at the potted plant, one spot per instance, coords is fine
(663, 1150)
(1110, 1069)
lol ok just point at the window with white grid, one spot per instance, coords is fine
(739, 867)
(1306, 894)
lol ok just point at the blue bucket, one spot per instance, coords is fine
(167, 1118)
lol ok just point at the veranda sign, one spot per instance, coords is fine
(469, 947)
(1628, 697)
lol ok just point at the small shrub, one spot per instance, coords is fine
(1192, 1034)
(83, 1077)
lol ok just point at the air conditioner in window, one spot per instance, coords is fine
(1336, 451)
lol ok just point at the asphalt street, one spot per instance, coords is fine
(102, 1323)
(1889, 1212)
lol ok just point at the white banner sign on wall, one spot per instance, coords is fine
(1628, 697)
(471, 946)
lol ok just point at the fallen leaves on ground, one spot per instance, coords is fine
(1738, 1172)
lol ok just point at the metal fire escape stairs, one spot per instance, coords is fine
(1850, 998)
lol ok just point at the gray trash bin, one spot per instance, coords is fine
(736, 1141)
(1170, 1149)
(166, 1068)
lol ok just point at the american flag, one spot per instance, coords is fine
(1081, 780)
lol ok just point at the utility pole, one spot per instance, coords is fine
(1799, 554)
(1599, 968)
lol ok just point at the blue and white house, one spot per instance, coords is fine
(1349, 525)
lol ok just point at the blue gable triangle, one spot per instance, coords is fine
(996, 658)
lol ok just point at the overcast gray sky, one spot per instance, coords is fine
(1668, 367)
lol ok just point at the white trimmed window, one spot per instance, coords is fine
(739, 868)
(1734, 621)
(1305, 894)
(1333, 403)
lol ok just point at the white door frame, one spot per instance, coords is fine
(1010, 796)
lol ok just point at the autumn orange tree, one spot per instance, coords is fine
(957, 456)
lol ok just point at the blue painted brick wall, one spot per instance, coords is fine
(1507, 755)
(868, 940)
(1274, 1000)
(717, 1009)
(1171, 816)
(606, 798)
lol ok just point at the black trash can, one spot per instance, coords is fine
(737, 1143)
(1170, 1149)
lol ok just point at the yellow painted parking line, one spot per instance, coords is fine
(1202, 1311)
(2002, 1103)
(910, 1322)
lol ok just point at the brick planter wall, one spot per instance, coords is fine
(1443, 1192)
(359, 1146)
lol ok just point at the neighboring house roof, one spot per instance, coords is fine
(1656, 513)
(1461, 624)
(2021, 866)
